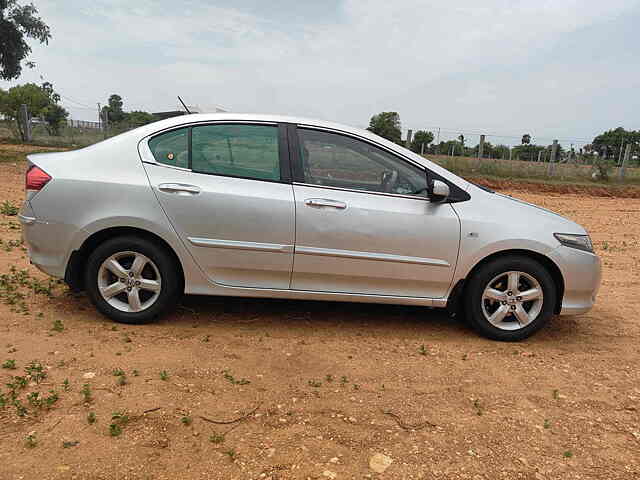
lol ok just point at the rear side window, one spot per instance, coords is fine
(171, 148)
(248, 151)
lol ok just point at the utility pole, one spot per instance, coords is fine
(422, 149)
(481, 147)
(625, 159)
(99, 116)
(620, 154)
(26, 123)
(408, 142)
(552, 160)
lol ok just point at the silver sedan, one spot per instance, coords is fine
(270, 206)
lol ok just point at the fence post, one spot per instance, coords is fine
(552, 159)
(539, 155)
(481, 148)
(408, 142)
(25, 120)
(625, 159)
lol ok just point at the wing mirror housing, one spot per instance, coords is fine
(438, 191)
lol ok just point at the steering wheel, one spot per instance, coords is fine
(389, 180)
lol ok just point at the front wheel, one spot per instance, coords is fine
(510, 298)
(131, 280)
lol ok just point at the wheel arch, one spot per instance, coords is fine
(453, 304)
(74, 276)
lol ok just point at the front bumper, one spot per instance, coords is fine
(582, 273)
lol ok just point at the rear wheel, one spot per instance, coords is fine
(132, 280)
(510, 298)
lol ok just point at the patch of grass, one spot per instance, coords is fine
(66, 385)
(555, 394)
(422, 350)
(58, 326)
(115, 429)
(51, 399)
(164, 375)
(86, 393)
(35, 371)
(227, 375)
(118, 420)
(232, 454)
(91, 418)
(314, 383)
(547, 423)
(329, 378)
(186, 420)
(216, 438)
(9, 209)
(568, 454)
(31, 441)
(9, 364)
(478, 407)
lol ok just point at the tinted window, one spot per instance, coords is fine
(249, 151)
(340, 161)
(171, 148)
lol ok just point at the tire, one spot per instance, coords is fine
(141, 269)
(494, 307)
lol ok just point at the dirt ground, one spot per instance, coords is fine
(248, 389)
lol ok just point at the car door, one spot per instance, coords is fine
(226, 189)
(364, 224)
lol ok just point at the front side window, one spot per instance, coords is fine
(339, 161)
(248, 151)
(171, 148)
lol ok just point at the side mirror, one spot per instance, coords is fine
(438, 191)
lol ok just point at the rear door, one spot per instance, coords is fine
(226, 189)
(364, 224)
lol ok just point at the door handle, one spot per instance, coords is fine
(325, 202)
(179, 189)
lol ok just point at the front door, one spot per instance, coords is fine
(364, 224)
(226, 190)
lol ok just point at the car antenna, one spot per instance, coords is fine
(185, 107)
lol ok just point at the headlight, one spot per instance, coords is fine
(581, 242)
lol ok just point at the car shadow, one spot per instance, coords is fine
(309, 314)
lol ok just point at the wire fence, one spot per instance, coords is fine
(517, 162)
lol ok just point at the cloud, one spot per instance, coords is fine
(497, 64)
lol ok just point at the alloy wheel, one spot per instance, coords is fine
(129, 281)
(512, 300)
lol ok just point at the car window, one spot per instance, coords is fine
(339, 161)
(171, 148)
(249, 151)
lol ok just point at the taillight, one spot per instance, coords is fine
(36, 178)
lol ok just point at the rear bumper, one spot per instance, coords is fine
(46, 242)
(582, 273)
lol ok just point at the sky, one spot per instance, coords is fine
(565, 69)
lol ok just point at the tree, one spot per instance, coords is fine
(114, 110)
(16, 24)
(53, 114)
(30, 94)
(422, 137)
(526, 139)
(387, 125)
(138, 118)
(611, 141)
